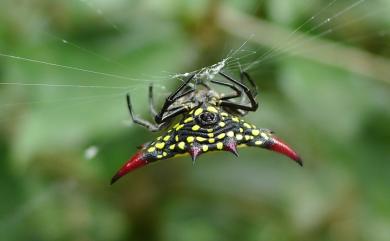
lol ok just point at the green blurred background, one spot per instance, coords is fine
(336, 119)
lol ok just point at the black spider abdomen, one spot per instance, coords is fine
(208, 118)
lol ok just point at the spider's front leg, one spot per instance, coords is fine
(159, 118)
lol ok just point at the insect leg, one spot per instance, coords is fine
(237, 91)
(140, 121)
(172, 114)
(243, 75)
(152, 108)
(172, 98)
(242, 101)
(253, 103)
(229, 104)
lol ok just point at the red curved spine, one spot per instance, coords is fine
(137, 161)
(279, 146)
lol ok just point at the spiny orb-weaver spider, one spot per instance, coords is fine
(210, 122)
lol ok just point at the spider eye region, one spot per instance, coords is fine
(207, 118)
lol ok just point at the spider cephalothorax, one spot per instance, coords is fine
(210, 122)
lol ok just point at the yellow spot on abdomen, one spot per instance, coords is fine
(255, 132)
(172, 147)
(211, 140)
(195, 128)
(221, 124)
(210, 135)
(212, 109)
(239, 137)
(182, 145)
(258, 143)
(264, 136)
(221, 136)
(235, 119)
(198, 111)
(151, 149)
(190, 139)
(160, 145)
(166, 138)
(230, 134)
(179, 127)
(247, 125)
(201, 139)
(189, 119)
(205, 148)
(219, 145)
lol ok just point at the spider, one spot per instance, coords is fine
(210, 121)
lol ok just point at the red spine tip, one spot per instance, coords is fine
(281, 147)
(138, 160)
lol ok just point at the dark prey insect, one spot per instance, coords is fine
(210, 122)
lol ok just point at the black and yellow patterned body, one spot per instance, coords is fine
(204, 129)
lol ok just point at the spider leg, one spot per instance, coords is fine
(253, 103)
(172, 98)
(185, 93)
(152, 108)
(226, 103)
(237, 91)
(172, 114)
(243, 75)
(150, 126)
